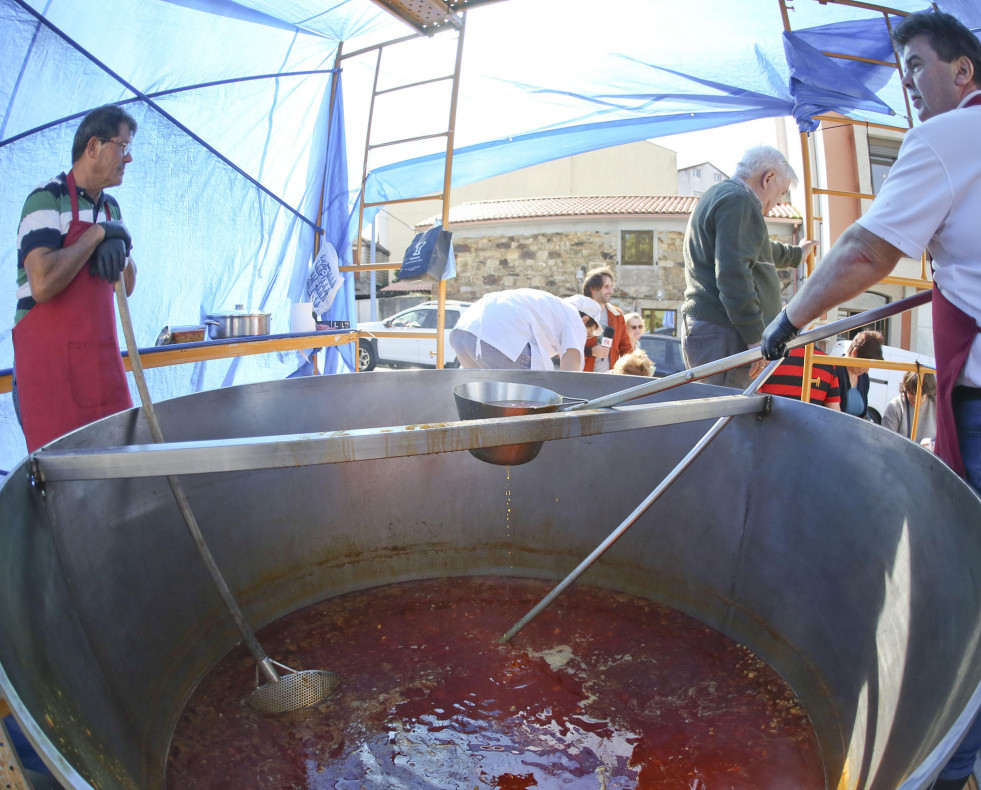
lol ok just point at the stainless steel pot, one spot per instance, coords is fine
(846, 557)
(237, 323)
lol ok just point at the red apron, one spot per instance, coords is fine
(953, 335)
(66, 354)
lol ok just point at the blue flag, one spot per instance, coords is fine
(336, 222)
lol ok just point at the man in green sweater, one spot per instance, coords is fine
(731, 286)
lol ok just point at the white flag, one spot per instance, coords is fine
(325, 279)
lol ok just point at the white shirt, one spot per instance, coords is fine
(510, 320)
(602, 364)
(931, 199)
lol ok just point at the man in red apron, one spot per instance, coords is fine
(931, 200)
(71, 247)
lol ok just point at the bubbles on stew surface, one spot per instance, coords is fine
(603, 690)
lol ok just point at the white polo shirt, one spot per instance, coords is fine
(931, 200)
(510, 320)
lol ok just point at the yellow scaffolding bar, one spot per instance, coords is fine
(810, 190)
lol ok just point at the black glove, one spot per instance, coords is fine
(777, 335)
(110, 260)
(115, 229)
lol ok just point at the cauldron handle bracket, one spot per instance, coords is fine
(36, 477)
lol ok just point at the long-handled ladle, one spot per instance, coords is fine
(281, 693)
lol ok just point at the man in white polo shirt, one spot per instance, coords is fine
(931, 200)
(523, 329)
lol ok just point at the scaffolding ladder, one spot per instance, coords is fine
(457, 22)
(811, 192)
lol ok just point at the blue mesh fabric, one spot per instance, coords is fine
(232, 157)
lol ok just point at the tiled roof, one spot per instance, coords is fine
(601, 206)
(784, 211)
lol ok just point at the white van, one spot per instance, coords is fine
(884, 384)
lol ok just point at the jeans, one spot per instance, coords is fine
(967, 416)
(464, 345)
(705, 342)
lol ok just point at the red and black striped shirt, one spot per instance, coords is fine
(787, 380)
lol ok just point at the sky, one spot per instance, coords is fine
(721, 147)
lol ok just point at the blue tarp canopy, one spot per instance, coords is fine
(236, 168)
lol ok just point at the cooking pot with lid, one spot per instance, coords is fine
(237, 323)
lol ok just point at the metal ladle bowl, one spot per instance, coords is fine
(481, 400)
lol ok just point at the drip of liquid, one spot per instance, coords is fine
(507, 513)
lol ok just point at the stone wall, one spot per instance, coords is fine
(547, 261)
(551, 261)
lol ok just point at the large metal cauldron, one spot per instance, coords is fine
(846, 558)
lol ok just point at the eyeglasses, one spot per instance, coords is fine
(125, 147)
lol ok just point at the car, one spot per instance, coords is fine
(416, 352)
(664, 351)
(884, 384)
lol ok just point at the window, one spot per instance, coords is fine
(637, 248)
(867, 301)
(882, 156)
(718, 178)
(698, 172)
(660, 322)
(879, 326)
(424, 318)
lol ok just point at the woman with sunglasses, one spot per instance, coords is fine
(635, 327)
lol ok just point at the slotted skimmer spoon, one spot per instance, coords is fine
(282, 693)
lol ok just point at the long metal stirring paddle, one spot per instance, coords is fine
(753, 354)
(750, 355)
(282, 693)
(651, 498)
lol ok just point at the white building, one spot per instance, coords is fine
(695, 180)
